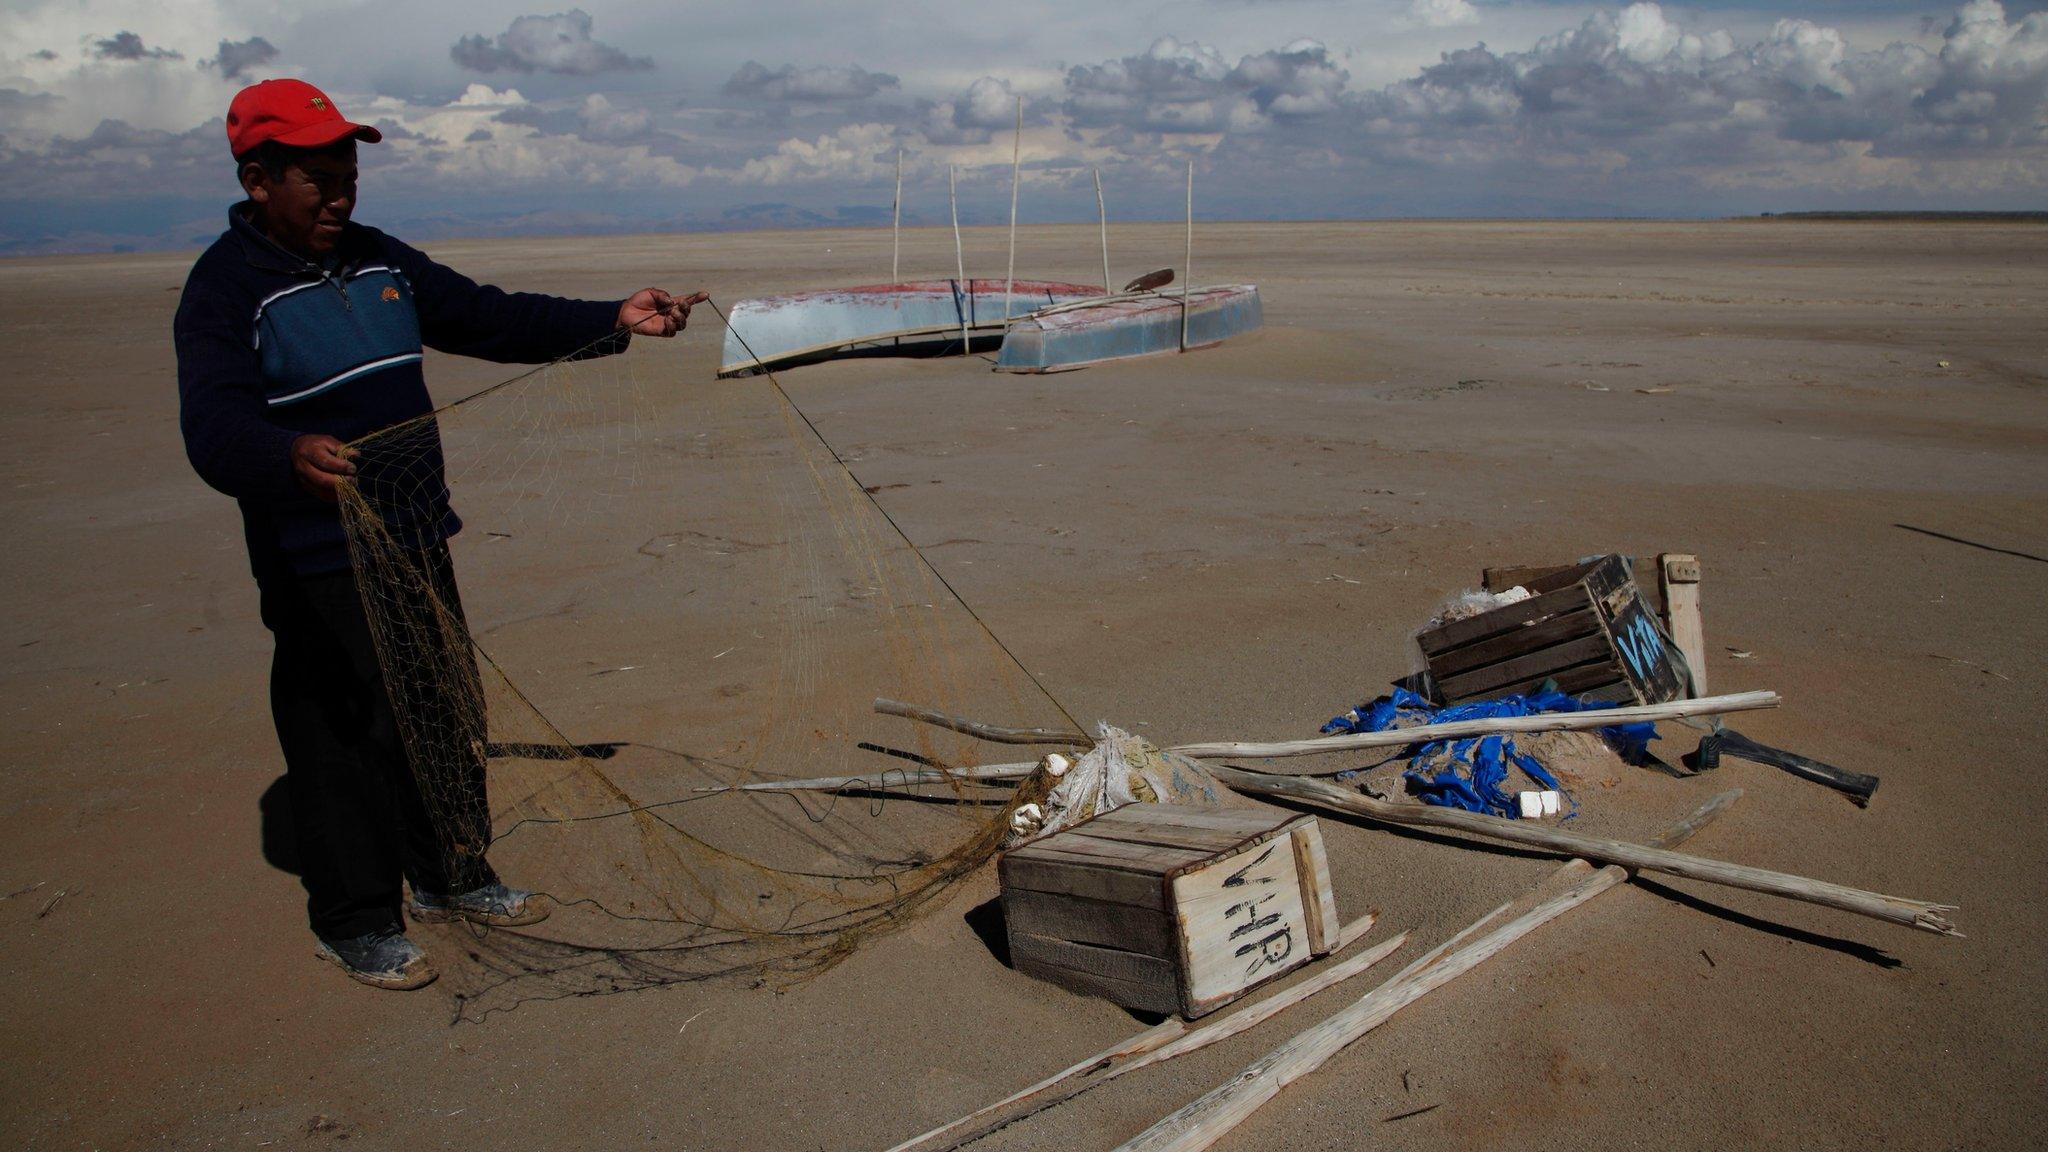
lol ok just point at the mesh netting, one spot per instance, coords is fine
(667, 593)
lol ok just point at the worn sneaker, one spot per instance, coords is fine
(381, 959)
(493, 904)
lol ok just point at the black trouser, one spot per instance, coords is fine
(358, 809)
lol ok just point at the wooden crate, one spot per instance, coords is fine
(1674, 595)
(1587, 627)
(1170, 909)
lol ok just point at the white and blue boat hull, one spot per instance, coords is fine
(908, 318)
(1064, 337)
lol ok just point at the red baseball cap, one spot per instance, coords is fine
(291, 112)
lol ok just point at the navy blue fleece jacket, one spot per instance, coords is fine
(272, 347)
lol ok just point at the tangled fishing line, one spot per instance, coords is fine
(673, 570)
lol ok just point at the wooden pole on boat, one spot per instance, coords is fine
(896, 225)
(963, 292)
(1102, 222)
(1016, 175)
(1188, 264)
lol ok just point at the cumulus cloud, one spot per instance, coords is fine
(974, 115)
(14, 100)
(1991, 90)
(111, 155)
(492, 138)
(1442, 13)
(1634, 108)
(484, 96)
(1188, 87)
(129, 46)
(561, 43)
(603, 120)
(1173, 87)
(853, 153)
(816, 84)
(1638, 78)
(236, 57)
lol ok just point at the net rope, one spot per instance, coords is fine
(666, 589)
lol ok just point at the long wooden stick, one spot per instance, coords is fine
(1264, 1010)
(1919, 914)
(1317, 794)
(887, 778)
(1203, 1122)
(1420, 734)
(965, 291)
(1161, 1033)
(1424, 733)
(1016, 175)
(1187, 284)
(1143, 1051)
(1102, 223)
(988, 732)
(896, 225)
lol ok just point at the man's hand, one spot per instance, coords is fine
(319, 463)
(653, 312)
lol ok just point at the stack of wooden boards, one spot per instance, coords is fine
(1163, 908)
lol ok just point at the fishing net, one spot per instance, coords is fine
(672, 595)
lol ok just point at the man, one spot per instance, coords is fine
(298, 332)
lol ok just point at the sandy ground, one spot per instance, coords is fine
(1258, 528)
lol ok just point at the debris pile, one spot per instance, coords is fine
(1121, 769)
(1101, 888)
(1472, 773)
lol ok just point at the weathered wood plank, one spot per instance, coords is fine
(1241, 819)
(1923, 915)
(1076, 843)
(1458, 729)
(1592, 681)
(1241, 922)
(1556, 630)
(1679, 579)
(1201, 1123)
(1093, 881)
(1143, 982)
(1318, 893)
(1459, 633)
(1547, 660)
(1528, 575)
(1206, 841)
(1064, 916)
(1137, 1052)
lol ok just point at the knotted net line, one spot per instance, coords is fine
(669, 589)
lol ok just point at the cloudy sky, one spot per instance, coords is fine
(609, 116)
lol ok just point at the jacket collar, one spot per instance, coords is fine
(263, 252)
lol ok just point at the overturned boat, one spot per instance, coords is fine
(1076, 334)
(907, 319)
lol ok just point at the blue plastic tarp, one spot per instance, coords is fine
(1472, 773)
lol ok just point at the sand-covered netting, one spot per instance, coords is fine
(598, 497)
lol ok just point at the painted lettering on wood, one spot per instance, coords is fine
(1242, 920)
